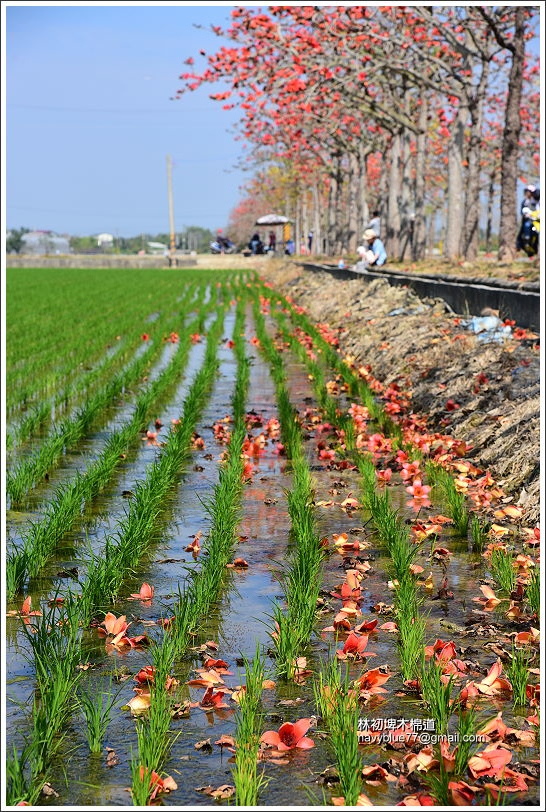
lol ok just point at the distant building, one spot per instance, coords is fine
(157, 247)
(105, 240)
(45, 242)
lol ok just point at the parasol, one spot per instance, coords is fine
(272, 220)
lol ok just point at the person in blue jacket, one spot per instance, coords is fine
(374, 254)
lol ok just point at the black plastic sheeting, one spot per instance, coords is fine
(513, 300)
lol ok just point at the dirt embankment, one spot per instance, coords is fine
(485, 393)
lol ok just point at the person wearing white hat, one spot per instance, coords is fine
(373, 254)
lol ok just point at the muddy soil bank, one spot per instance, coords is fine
(485, 393)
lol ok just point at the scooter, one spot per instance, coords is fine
(227, 247)
(529, 231)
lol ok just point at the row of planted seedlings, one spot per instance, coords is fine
(336, 696)
(196, 597)
(42, 538)
(68, 363)
(95, 385)
(66, 435)
(433, 681)
(88, 299)
(54, 637)
(71, 390)
(57, 352)
(301, 577)
(70, 394)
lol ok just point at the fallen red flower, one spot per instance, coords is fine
(462, 793)
(490, 762)
(145, 594)
(355, 646)
(289, 736)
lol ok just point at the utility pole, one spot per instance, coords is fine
(171, 202)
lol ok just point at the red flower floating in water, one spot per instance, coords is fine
(289, 736)
(355, 646)
(145, 595)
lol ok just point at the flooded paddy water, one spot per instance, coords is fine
(240, 620)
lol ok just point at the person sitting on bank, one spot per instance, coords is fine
(373, 254)
(256, 245)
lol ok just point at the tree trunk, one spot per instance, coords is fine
(406, 220)
(304, 222)
(490, 198)
(332, 194)
(393, 214)
(471, 230)
(317, 220)
(510, 144)
(339, 215)
(455, 185)
(419, 226)
(350, 241)
(363, 215)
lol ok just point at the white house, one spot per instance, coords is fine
(105, 240)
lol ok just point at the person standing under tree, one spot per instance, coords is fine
(375, 223)
(272, 241)
(310, 241)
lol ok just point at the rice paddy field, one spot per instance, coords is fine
(239, 569)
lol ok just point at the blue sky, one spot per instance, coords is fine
(89, 120)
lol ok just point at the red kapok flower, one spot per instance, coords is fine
(289, 735)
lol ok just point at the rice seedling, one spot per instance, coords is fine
(437, 694)
(517, 671)
(502, 569)
(153, 731)
(19, 788)
(246, 778)
(467, 728)
(532, 592)
(393, 532)
(55, 651)
(438, 782)
(107, 570)
(338, 706)
(97, 710)
(154, 741)
(201, 588)
(411, 627)
(478, 533)
(140, 782)
(455, 500)
(74, 366)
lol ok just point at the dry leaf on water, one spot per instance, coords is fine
(223, 791)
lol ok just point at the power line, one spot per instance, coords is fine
(107, 109)
(107, 216)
